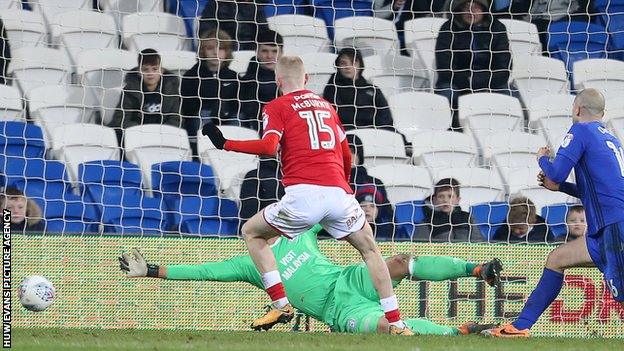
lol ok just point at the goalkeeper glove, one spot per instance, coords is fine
(135, 265)
(215, 135)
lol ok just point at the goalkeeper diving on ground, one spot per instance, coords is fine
(343, 297)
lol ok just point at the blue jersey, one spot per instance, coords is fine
(598, 159)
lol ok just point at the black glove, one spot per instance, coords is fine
(215, 135)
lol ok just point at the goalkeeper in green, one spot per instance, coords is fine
(343, 297)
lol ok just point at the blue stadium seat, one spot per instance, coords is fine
(489, 217)
(555, 216)
(188, 208)
(407, 215)
(21, 139)
(286, 7)
(330, 11)
(611, 15)
(205, 216)
(113, 177)
(189, 10)
(575, 41)
(210, 226)
(70, 215)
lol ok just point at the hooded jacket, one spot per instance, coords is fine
(443, 227)
(258, 87)
(472, 57)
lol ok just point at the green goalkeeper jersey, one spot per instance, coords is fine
(308, 276)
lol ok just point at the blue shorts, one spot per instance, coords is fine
(606, 249)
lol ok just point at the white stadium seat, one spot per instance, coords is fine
(523, 37)
(403, 182)
(33, 67)
(395, 74)
(535, 76)
(154, 143)
(74, 144)
(23, 28)
(120, 8)
(486, 113)
(416, 112)
(11, 108)
(229, 167)
(178, 62)
(554, 129)
(523, 181)
(421, 35)
(477, 185)
(55, 105)
(81, 30)
(50, 8)
(605, 75)
(549, 106)
(302, 34)
(441, 149)
(240, 60)
(381, 146)
(10, 4)
(102, 72)
(319, 67)
(371, 35)
(511, 148)
(157, 30)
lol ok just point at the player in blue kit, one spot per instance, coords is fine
(598, 161)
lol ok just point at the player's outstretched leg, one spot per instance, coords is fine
(364, 242)
(427, 327)
(572, 254)
(256, 232)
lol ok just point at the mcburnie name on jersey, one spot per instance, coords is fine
(309, 100)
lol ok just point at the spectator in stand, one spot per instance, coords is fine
(25, 213)
(210, 89)
(576, 223)
(151, 95)
(258, 85)
(472, 53)
(261, 187)
(389, 9)
(359, 103)
(370, 199)
(445, 221)
(242, 20)
(5, 53)
(523, 224)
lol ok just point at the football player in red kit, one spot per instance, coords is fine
(311, 138)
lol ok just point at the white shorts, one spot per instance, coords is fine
(305, 205)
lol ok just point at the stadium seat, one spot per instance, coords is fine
(54, 105)
(484, 113)
(10, 4)
(240, 60)
(21, 139)
(407, 216)
(478, 185)
(203, 216)
(319, 67)
(555, 216)
(381, 146)
(229, 167)
(82, 30)
(285, 7)
(614, 116)
(421, 35)
(70, 216)
(523, 37)
(511, 149)
(74, 144)
(190, 11)
(50, 8)
(333, 10)
(575, 41)
(111, 176)
(178, 62)
(23, 28)
(441, 149)
(403, 182)
(302, 34)
(157, 30)
(120, 8)
(554, 129)
(32, 67)
(10, 104)
(415, 112)
(611, 15)
(371, 35)
(102, 73)
(39, 179)
(395, 74)
(535, 76)
(606, 75)
(551, 106)
(489, 217)
(148, 144)
(522, 181)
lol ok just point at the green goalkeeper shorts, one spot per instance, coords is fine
(357, 307)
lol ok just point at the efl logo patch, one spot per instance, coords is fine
(567, 139)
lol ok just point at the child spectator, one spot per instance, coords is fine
(25, 213)
(576, 223)
(444, 219)
(523, 224)
(151, 95)
(370, 198)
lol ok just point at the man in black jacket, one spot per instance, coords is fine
(242, 20)
(210, 89)
(472, 53)
(261, 187)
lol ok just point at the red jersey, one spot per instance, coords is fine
(310, 134)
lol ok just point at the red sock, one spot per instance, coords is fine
(274, 287)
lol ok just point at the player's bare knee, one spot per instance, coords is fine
(383, 326)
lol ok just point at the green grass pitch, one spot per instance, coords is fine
(155, 340)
